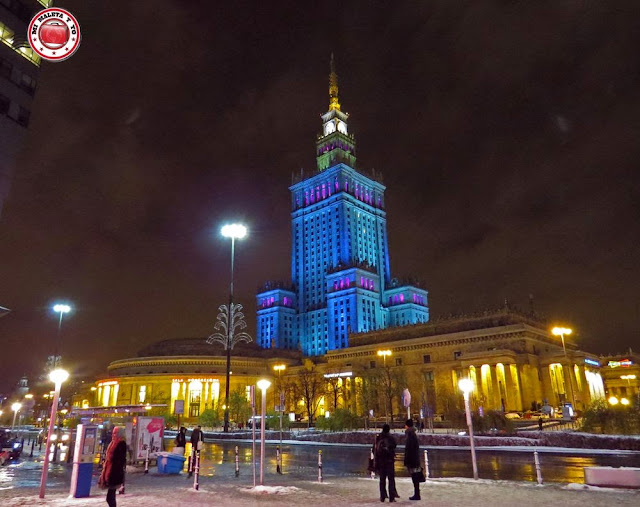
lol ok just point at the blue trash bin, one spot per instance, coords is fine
(169, 463)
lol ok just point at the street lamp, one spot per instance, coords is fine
(561, 331)
(57, 377)
(263, 384)
(60, 309)
(16, 408)
(280, 368)
(384, 354)
(233, 231)
(466, 386)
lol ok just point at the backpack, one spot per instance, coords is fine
(384, 449)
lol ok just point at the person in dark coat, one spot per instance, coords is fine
(181, 441)
(112, 476)
(412, 458)
(196, 437)
(384, 461)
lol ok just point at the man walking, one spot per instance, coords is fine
(384, 459)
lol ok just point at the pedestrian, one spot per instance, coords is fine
(540, 423)
(412, 458)
(384, 462)
(112, 476)
(196, 437)
(181, 441)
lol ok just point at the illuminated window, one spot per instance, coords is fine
(142, 394)
(6, 35)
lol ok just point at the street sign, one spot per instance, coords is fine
(178, 407)
(406, 398)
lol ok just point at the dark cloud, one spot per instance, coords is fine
(506, 131)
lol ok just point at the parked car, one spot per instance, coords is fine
(10, 448)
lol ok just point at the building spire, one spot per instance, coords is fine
(333, 87)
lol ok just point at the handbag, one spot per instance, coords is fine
(418, 473)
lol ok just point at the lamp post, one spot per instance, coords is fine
(263, 385)
(280, 368)
(466, 386)
(57, 377)
(16, 408)
(561, 331)
(60, 309)
(384, 354)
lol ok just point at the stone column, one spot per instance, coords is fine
(511, 398)
(495, 389)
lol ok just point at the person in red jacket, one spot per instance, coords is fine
(112, 476)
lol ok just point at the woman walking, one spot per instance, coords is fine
(412, 458)
(112, 475)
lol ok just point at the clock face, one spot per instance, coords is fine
(342, 127)
(329, 128)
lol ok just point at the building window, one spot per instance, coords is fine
(142, 394)
(23, 116)
(456, 355)
(426, 358)
(372, 364)
(398, 361)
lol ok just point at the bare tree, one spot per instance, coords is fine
(311, 389)
(335, 387)
(392, 382)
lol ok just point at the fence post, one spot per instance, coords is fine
(320, 465)
(536, 460)
(33, 442)
(426, 464)
(278, 458)
(373, 468)
(237, 463)
(196, 470)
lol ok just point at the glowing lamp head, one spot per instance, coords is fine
(560, 331)
(264, 384)
(235, 231)
(147, 407)
(624, 401)
(59, 308)
(58, 376)
(384, 353)
(613, 400)
(279, 367)
(465, 385)
(28, 396)
(16, 406)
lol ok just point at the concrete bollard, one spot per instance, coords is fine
(237, 463)
(536, 460)
(426, 464)
(278, 458)
(33, 442)
(320, 466)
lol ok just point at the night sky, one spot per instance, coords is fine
(508, 134)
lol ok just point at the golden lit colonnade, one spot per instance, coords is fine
(513, 359)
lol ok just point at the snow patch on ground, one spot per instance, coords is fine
(272, 490)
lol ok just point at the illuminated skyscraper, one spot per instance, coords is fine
(340, 257)
(19, 66)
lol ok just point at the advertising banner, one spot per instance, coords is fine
(149, 436)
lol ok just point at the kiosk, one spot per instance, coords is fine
(83, 456)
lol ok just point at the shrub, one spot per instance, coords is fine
(601, 417)
(340, 420)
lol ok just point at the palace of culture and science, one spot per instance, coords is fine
(340, 268)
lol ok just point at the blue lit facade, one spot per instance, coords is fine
(341, 282)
